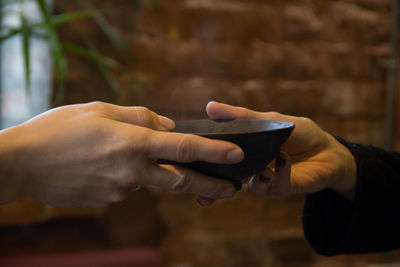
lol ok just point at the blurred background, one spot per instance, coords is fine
(334, 61)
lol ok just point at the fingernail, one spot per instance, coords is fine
(235, 155)
(280, 162)
(263, 179)
(166, 122)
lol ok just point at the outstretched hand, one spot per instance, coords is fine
(312, 159)
(91, 155)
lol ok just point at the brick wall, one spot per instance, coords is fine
(321, 59)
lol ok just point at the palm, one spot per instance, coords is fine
(316, 157)
(311, 175)
(314, 164)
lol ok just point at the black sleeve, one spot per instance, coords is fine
(333, 225)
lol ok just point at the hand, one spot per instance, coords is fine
(314, 160)
(91, 155)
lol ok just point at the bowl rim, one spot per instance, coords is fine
(285, 125)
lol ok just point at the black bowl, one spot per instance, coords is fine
(260, 140)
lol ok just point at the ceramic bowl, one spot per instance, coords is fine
(260, 140)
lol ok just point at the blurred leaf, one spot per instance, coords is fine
(26, 52)
(56, 20)
(114, 37)
(140, 78)
(71, 17)
(10, 34)
(60, 63)
(47, 29)
(41, 35)
(92, 56)
(111, 81)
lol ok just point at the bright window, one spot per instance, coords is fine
(18, 104)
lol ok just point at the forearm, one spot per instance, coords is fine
(370, 224)
(11, 165)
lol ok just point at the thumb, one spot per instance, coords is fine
(217, 110)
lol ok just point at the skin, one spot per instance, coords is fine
(92, 155)
(312, 159)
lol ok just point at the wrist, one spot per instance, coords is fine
(11, 164)
(344, 183)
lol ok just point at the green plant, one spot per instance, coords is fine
(47, 29)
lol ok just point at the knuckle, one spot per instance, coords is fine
(184, 150)
(96, 105)
(307, 121)
(181, 184)
(275, 115)
(97, 108)
(144, 116)
(143, 110)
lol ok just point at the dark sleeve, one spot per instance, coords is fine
(334, 225)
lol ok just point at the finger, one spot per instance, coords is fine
(144, 117)
(140, 116)
(188, 148)
(261, 184)
(181, 180)
(167, 123)
(282, 182)
(205, 201)
(217, 110)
